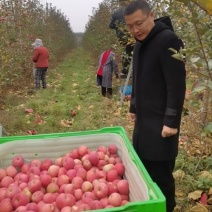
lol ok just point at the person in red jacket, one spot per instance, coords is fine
(41, 60)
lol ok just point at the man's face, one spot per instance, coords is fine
(140, 24)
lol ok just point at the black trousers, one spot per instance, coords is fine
(40, 75)
(161, 173)
(126, 59)
(106, 91)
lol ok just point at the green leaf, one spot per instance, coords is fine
(199, 88)
(210, 84)
(195, 59)
(210, 64)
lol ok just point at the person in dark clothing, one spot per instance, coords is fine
(107, 66)
(117, 23)
(158, 92)
(41, 60)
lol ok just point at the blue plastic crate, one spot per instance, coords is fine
(128, 90)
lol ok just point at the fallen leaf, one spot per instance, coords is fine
(209, 201)
(210, 191)
(179, 174)
(179, 194)
(74, 84)
(66, 123)
(195, 195)
(198, 208)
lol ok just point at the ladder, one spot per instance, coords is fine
(2, 131)
(126, 83)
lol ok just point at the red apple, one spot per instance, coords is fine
(74, 154)
(112, 175)
(68, 163)
(88, 195)
(92, 174)
(34, 185)
(66, 209)
(78, 194)
(37, 196)
(2, 193)
(21, 178)
(87, 186)
(52, 188)
(73, 113)
(77, 162)
(2, 174)
(81, 172)
(49, 198)
(45, 180)
(69, 188)
(12, 190)
(25, 168)
(111, 188)
(96, 204)
(20, 199)
(21, 209)
(115, 199)
(53, 170)
(27, 192)
(86, 164)
(62, 179)
(108, 167)
(112, 149)
(35, 163)
(65, 200)
(100, 190)
(119, 167)
(104, 201)
(6, 181)
(102, 149)
(101, 155)
(6, 205)
(77, 182)
(32, 207)
(34, 170)
(18, 161)
(71, 174)
(84, 207)
(58, 162)
(45, 164)
(47, 208)
(11, 171)
(94, 158)
(123, 187)
(82, 150)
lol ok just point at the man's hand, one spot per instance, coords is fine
(132, 116)
(167, 131)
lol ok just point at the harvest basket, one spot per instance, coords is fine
(144, 195)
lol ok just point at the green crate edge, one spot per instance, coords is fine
(156, 205)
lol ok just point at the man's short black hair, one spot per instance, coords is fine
(137, 5)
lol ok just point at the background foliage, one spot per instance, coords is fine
(21, 21)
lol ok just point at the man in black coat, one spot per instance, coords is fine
(157, 94)
(117, 23)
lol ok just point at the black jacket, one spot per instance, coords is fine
(117, 22)
(158, 92)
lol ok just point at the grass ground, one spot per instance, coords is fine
(71, 86)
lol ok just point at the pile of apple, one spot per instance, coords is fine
(82, 179)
